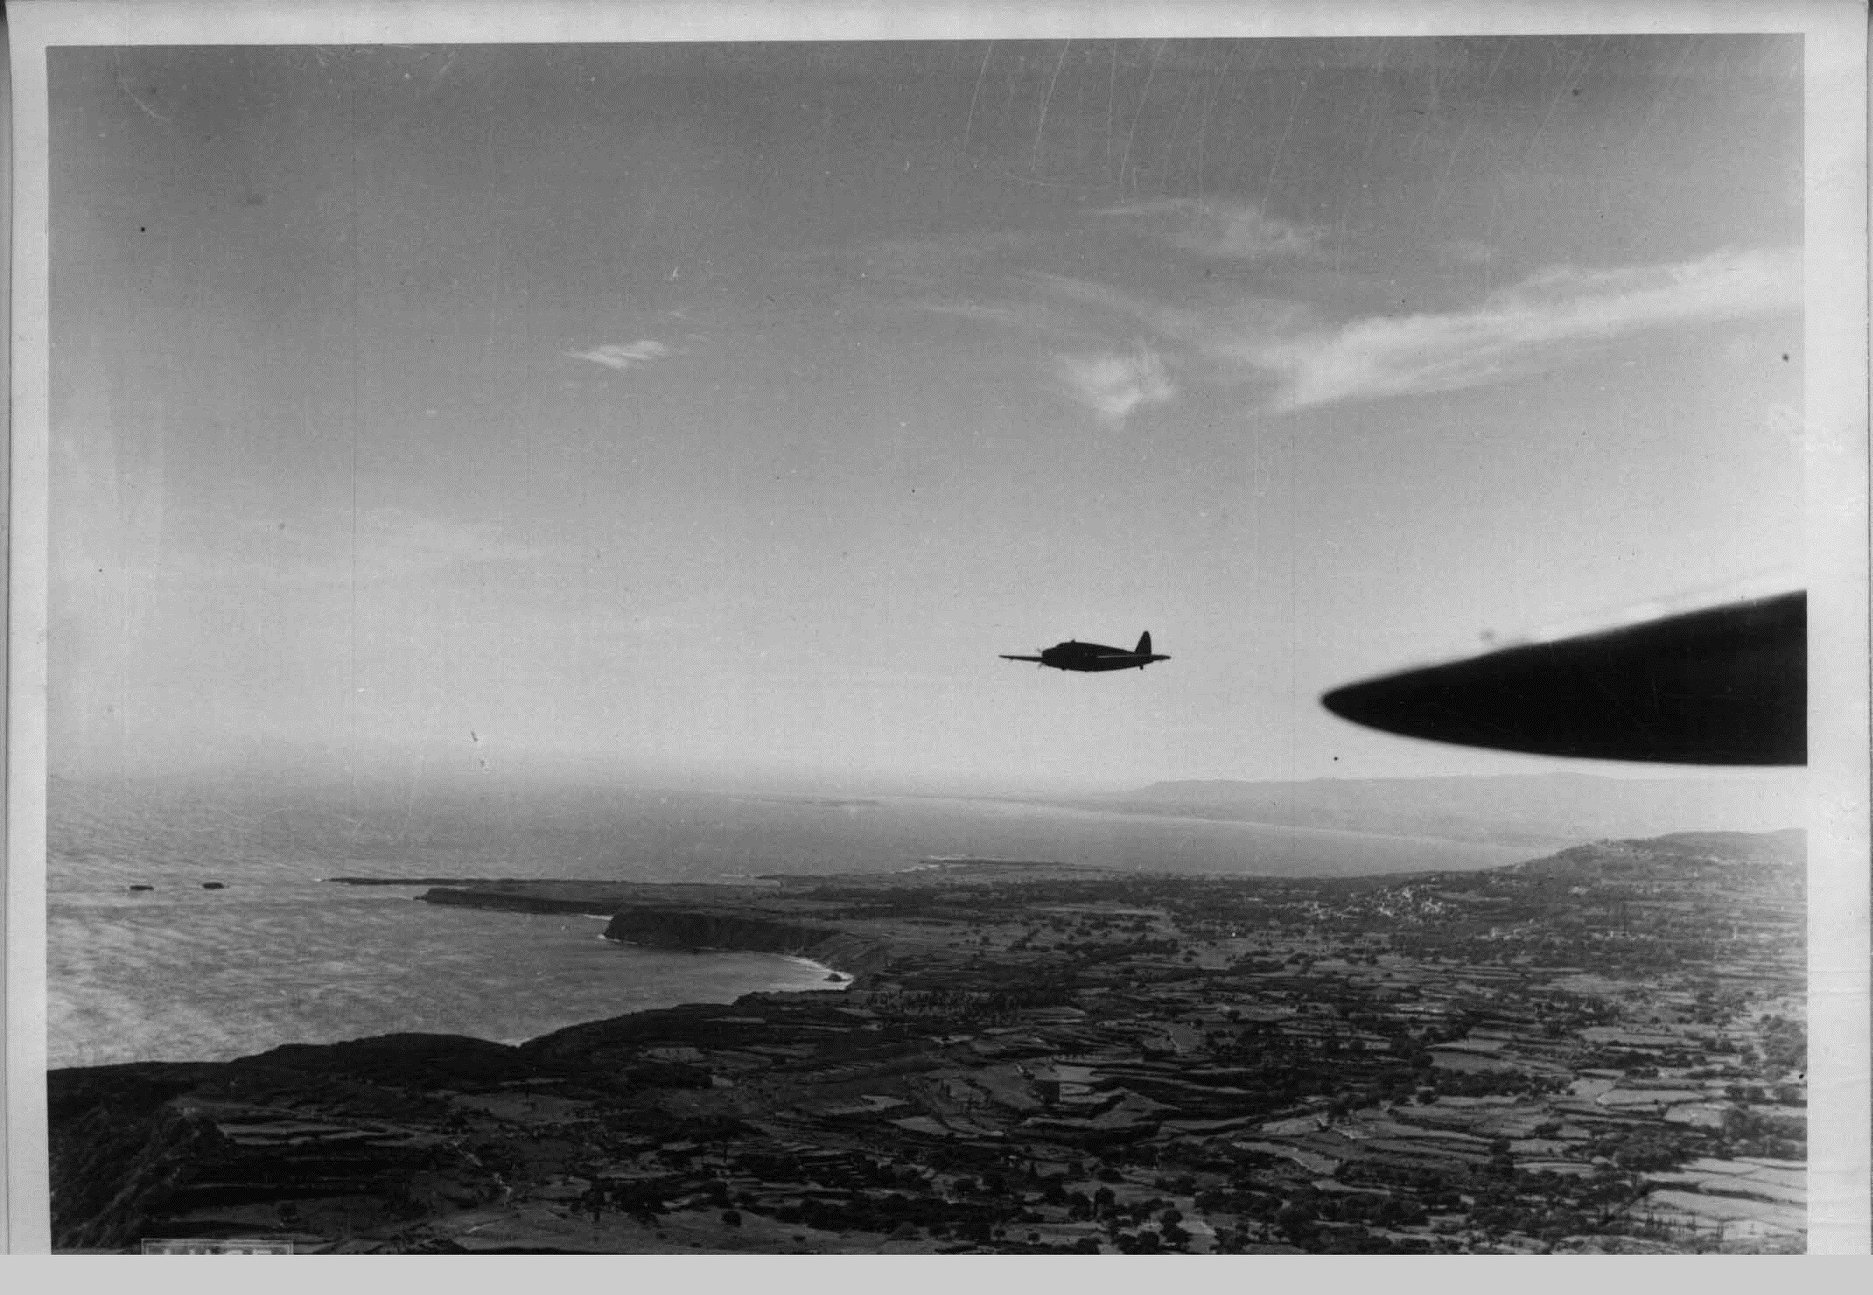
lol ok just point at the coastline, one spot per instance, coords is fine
(289, 966)
(1132, 1044)
(835, 978)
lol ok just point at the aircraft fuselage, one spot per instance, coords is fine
(1092, 657)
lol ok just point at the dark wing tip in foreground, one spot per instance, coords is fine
(1725, 685)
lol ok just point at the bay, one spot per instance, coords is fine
(278, 955)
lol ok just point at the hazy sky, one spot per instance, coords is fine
(727, 409)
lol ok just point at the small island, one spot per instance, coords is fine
(1599, 1051)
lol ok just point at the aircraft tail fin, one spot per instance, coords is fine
(1144, 644)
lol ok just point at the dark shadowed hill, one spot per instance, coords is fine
(1532, 809)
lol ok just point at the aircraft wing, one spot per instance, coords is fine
(1006, 657)
(1722, 685)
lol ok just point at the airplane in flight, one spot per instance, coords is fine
(1075, 655)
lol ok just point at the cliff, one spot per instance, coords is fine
(700, 928)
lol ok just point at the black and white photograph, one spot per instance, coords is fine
(803, 640)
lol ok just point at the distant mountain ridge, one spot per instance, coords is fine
(1515, 809)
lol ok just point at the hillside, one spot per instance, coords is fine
(1682, 857)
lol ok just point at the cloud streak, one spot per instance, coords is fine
(1227, 231)
(623, 356)
(1116, 350)
(1543, 321)
(1112, 385)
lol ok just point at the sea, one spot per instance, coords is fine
(279, 953)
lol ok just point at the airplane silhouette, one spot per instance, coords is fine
(1075, 655)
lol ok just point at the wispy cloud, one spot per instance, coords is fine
(1220, 230)
(1142, 330)
(1537, 324)
(1112, 385)
(384, 544)
(621, 356)
(979, 313)
(396, 542)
